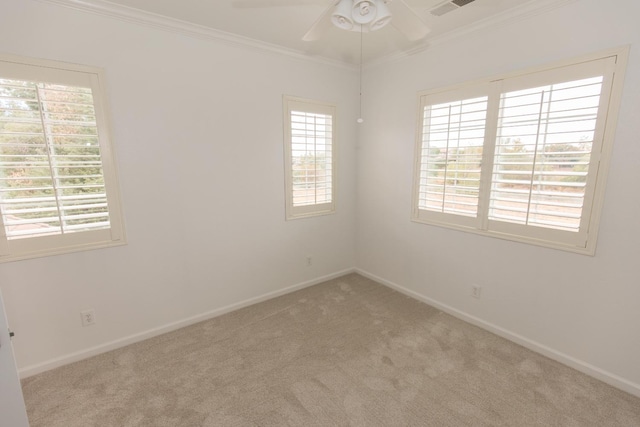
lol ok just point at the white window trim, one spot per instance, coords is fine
(40, 246)
(505, 230)
(291, 103)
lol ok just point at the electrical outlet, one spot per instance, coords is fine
(476, 291)
(88, 317)
(309, 261)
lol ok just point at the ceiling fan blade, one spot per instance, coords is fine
(407, 21)
(321, 26)
(250, 4)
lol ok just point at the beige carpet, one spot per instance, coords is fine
(345, 352)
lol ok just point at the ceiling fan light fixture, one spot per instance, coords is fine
(364, 16)
(341, 16)
(361, 15)
(364, 11)
(383, 17)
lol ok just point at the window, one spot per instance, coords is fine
(522, 157)
(58, 190)
(309, 158)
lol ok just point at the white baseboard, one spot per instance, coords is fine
(572, 362)
(579, 365)
(131, 339)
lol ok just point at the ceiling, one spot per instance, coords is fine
(283, 23)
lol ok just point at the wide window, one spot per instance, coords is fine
(309, 157)
(522, 157)
(58, 189)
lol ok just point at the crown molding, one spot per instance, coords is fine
(164, 23)
(527, 10)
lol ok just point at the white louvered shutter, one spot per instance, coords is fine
(311, 158)
(309, 140)
(450, 155)
(57, 179)
(549, 138)
(520, 157)
(51, 179)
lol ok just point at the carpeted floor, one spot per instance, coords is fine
(345, 352)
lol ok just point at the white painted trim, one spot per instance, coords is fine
(612, 64)
(586, 368)
(37, 69)
(173, 25)
(140, 17)
(532, 8)
(289, 104)
(141, 336)
(577, 364)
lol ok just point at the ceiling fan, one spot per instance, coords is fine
(355, 15)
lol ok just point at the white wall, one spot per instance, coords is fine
(584, 310)
(204, 205)
(197, 127)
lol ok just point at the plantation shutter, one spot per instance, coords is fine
(521, 157)
(450, 155)
(51, 179)
(549, 137)
(57, 179)
(309, 156)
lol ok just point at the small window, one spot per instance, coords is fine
(521, 157)
(58, 190)
(309, 157)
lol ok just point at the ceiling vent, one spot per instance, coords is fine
(449, 6)
(462, 2)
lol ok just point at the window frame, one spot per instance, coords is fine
(586, 240)
(49, 71)
(292, 103)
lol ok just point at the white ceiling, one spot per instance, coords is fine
(283, 23)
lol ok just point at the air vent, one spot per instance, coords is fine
(461, 2)
(449, 6)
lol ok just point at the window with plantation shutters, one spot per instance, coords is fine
(57, 184)
(309, 148)
(521, 157)
(452, 136)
